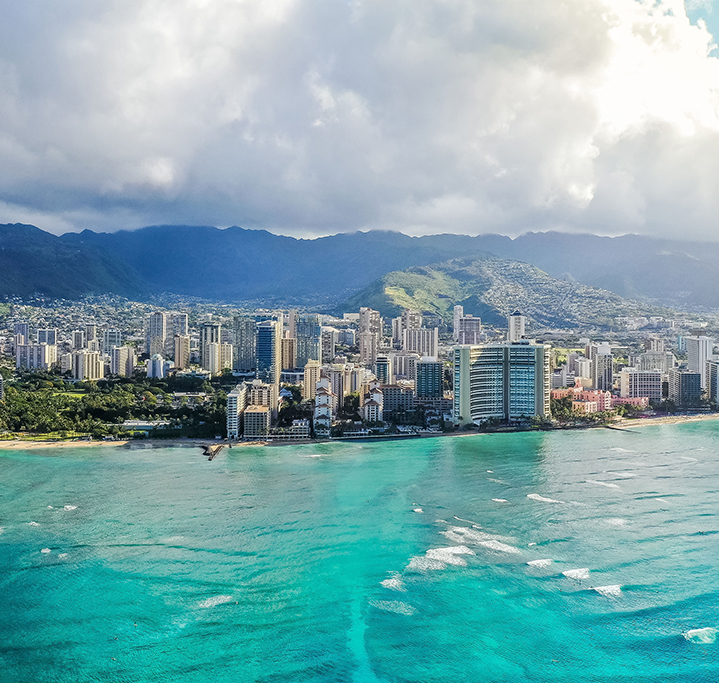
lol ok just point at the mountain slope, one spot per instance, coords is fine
(244, 264)
(35, 262)
(235, 264)
(491, 288)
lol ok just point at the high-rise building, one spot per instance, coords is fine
(23, 329)
(411, 319)
(685, 387)
(423, 341)
(178, 325)
(86, 365)
(699, 351)
(458, 315)
(370, 335)
(347, 337)
(429, 378)
(218, 357)
(182, 351)
(245, 346)
(155, 333)
(404, 364)
(712, 375)
(635, 383)
(329, 344)
(368, 345)
(312, 376)
(90, 332)
(383, 370)
(156, 366)
(370, 321)
(289, 353)
(47, 336)
(325, 401)
(65, 362)
(309, 339)
(516, 326)
(35, 356)
(269, 351)
(291, 324)
(236, 404)
(78, 340)
(122, 361)
(210, 333)
(111, 338)
(603, 369)
(225, 357)
(507, 382)
(260, 393)
(469, 330)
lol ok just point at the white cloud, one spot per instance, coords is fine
(309, 118)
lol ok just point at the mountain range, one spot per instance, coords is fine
(240, 265)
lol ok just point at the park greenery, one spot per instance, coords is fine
(44, 403)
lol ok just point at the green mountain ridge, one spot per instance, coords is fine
(491, 288)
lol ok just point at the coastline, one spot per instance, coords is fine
(620, 425)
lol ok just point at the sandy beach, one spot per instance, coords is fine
(17, 444)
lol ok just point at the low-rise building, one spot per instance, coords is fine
(256, 422)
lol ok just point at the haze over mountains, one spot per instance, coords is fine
(238, 265)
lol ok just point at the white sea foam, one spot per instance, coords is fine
(498, 481)
(608, 591)
(540, 563)
(45, 551)
(622, 450)
(532, 543)
(702, 636)
(490, 471)
(499, 547)
(394, 606)
(2, 530)
(616, 521)
(450, 555)
(418, 510)
(469, 521)
(394, 583)
(50, 507)
(214, 601)
(70, 507)
(607, 484)
(420, 563)
(33, 524)
(463, 534)
(62, 556)
(542, 499)
(582, 573)
(689, 459)
(499, 500)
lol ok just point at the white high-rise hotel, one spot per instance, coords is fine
(507, 382)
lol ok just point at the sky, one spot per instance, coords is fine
(312, 117)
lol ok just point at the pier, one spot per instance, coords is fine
(212, 450)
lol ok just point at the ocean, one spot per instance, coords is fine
(560, 556)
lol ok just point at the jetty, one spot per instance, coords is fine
(211, 450)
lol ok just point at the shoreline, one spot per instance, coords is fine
(143, 444)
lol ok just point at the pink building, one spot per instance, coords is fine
(641, 401)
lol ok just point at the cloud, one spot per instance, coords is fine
(311, 118)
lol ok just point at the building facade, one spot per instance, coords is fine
(507, 382)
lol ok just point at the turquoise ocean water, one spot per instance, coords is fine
(575, 556)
